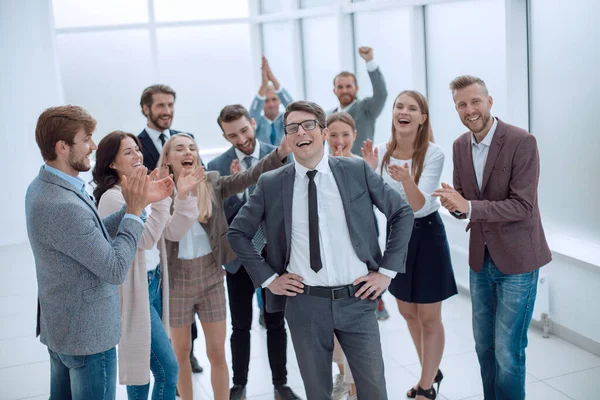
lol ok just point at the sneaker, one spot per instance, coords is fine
(381, 313)
(237, 392)
(340, 389)
(284, 392)
(196, 368)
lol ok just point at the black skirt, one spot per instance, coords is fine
(429, 277)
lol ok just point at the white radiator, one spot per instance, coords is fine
(541, 310)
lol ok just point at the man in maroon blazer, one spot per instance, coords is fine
(496, 173)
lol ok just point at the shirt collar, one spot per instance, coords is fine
(322, 167)
(154, 134)
(349, 106)
(487, 140)
(255, 154)
(73, 180)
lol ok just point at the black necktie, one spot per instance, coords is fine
(163, 138)
(313, 223)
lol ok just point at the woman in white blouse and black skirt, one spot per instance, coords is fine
(412, 164)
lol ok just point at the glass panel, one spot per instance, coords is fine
(463, 37)
(209, 67)
(186, 10)
(278, 39)
(105, 72)
(321, 59)
(564, 108)
(392, 51)
(77, 13)
(316, 3)
(270, 6)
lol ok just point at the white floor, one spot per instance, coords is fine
(556, 370)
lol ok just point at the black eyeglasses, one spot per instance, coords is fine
(307, 125)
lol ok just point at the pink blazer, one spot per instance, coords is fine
(504, 214)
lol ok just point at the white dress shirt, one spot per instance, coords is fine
(155, 136)
(152, 255)
(194, 244)
(429, 181)
(255, 160)
(341, 265)
(480, 153)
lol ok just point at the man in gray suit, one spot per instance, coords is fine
(239, 129)
(364, 111)
(79, 257)
(324, 257)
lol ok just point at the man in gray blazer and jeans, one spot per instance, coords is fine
(324, 257)
(79, 257)
(364, 111)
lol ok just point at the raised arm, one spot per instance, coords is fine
(258, 102)
(242, 230)
(375, 103)
(230, 185)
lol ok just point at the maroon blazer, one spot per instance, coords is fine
(504, 214)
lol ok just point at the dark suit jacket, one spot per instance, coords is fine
(232, 204)
(149, 150)
(504, 214)
(360, 188)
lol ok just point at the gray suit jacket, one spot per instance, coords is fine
(360, 188)
(232, 204)
(80, 259)
(365, 111)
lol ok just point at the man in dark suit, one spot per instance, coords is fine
(240, 130)
(158, 106)
(496, 174)
(324, 256)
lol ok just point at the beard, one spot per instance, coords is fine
(485, 119)
(78, 164)
(251, 150)
(155, 119)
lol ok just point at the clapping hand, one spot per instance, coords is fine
(451, 199)
(160, 186)
(284, 148)
(338, 151)
(400, 173)
(370, 154)
(188, 181)
(235, 167)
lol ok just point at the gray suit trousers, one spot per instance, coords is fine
(314, 320)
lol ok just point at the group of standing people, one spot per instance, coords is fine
(279, 217)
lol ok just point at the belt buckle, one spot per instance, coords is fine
(337, 290)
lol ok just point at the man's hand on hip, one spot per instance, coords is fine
(375, 284)
(287, 285)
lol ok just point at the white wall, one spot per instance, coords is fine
(29, 83)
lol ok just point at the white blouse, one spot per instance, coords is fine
(194, 244)
(429, 181)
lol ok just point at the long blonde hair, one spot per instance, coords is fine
(205, 190)
(421, 142)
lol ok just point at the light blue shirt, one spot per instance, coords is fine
(80, 184)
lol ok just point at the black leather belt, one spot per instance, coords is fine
(334, 293)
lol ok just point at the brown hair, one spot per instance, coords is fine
(205, 189)
(148, 95)
(306, 106)
(232, 113)
(61, 123)
(463, 81)
(421, 142)
(105, 177)
(342, 116)
(345, 74)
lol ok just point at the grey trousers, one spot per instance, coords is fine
(313, 321)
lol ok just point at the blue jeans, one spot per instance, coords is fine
(502, 309)
(163, 362)
(92, 377)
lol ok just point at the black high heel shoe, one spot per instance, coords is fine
(428, 394)
(412, 393)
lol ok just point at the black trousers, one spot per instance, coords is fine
(241, 291)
